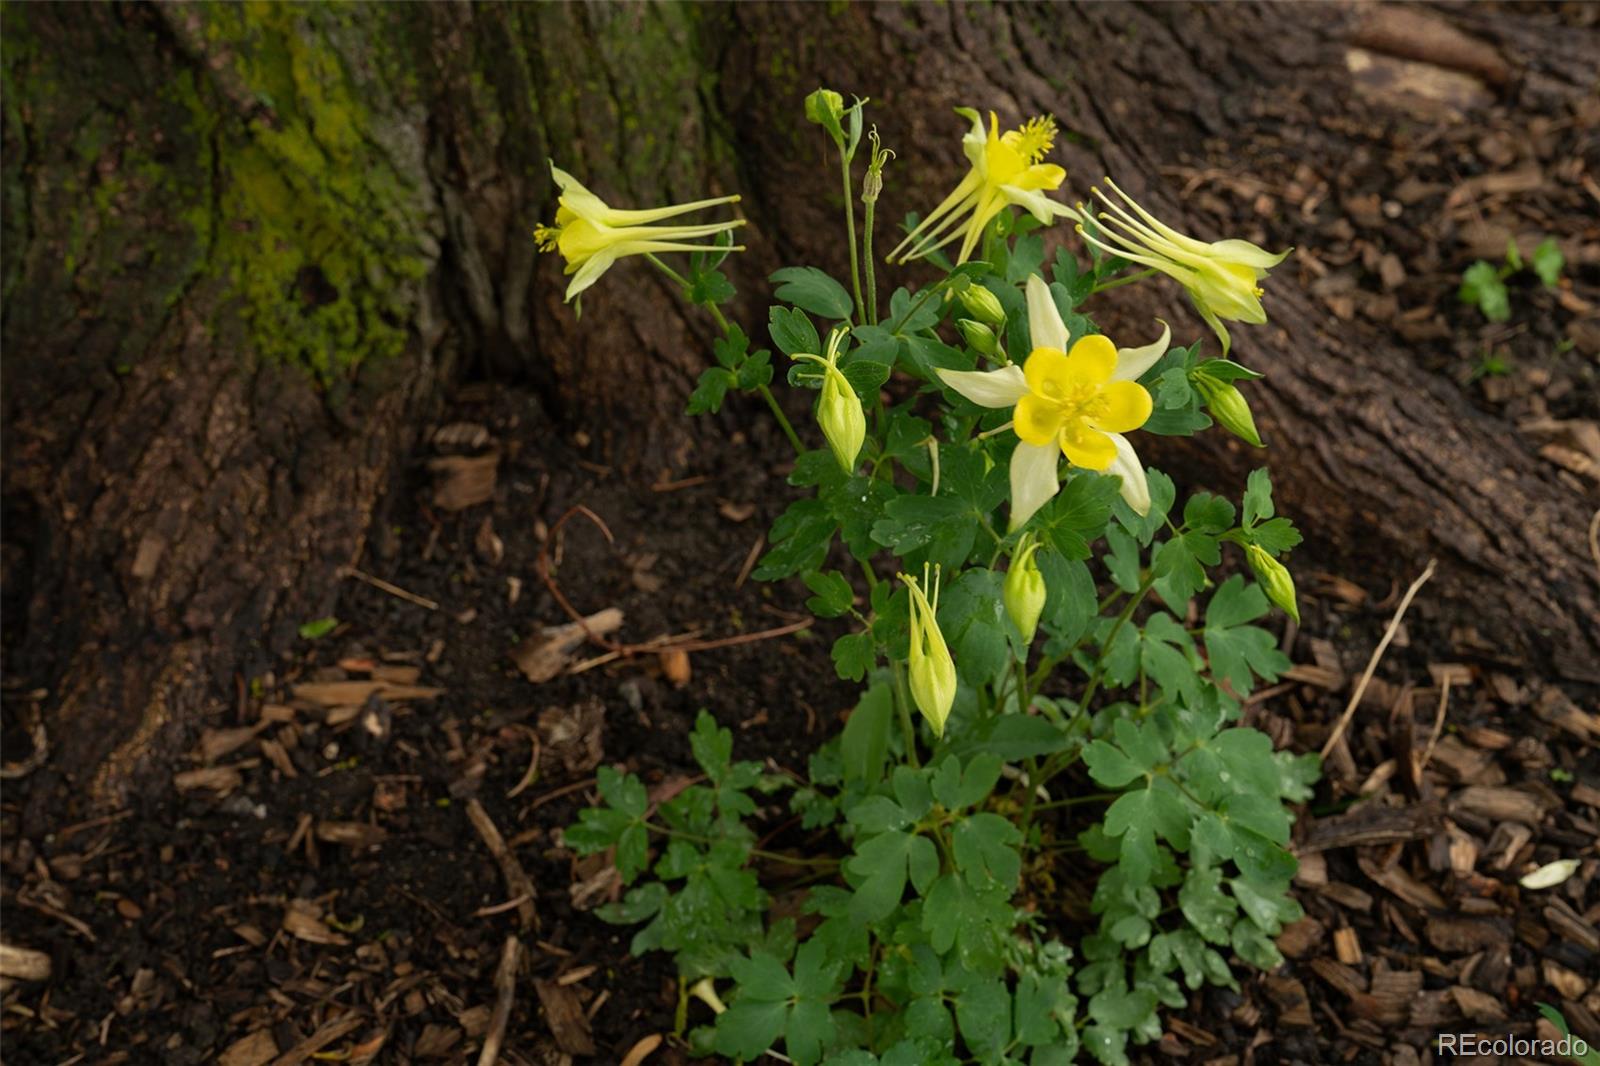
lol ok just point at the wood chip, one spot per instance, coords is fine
(1500, 804)
(1373, 824)
(563, 1011)
(1458, 935)
(328, 1032)
(463, 481)
(1478, 1006)
(219, 779)
(1339, 976)
(550, 651)
(1402, 885)
(675, 666)
(219, 743)
(642, 1050)
(1347, 946)
(257, 1049)
(1299, 939)
(303, 920)
(1289, 995)
(351, 834)
(23, 964)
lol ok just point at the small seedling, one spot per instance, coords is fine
(1484, 284)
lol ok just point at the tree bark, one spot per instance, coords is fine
(248, 249)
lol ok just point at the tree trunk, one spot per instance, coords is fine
(248, 248)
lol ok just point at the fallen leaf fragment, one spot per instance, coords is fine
(550, 651)
(1550, 874)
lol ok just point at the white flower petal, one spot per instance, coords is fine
(1044, 320)
(988, 388)
(1133, 362)
(1135, 489)
(1551, 874)
(1035, 202)
(589, 272)
(1033, 479)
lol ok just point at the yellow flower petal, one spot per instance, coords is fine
(1045, 368)
(1127, 407)
(1093, 360)
(1088, 448)
(1038, 421)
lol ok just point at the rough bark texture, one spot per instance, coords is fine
(246, 248)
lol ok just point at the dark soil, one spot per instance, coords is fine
(252, 900)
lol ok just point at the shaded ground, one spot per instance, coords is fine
(315, 879)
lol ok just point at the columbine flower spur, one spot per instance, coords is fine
(591, 235)
(1220, 277)
(1006, 170)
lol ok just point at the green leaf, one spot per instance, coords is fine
(712, 747)
(1209, 910)
(1268, 904)
(710, 287)
(984, 848)
(800, 539)
(1122, 1008)
(755, 372)
(1209, 513)
(864, 742)
(1237, 650)
(1179, 567)
(625, 793)
(1548, 262)
(924, 355)
(1122, 563)
(1275, 535)
(317, 629)
(1070, 599)
(1257, 497)
(792, 331)
(942, 523)
(834, 596)
(813, 290)
(983, 1012)
(1077, 515)
(640, 903)
(1254, 946)
(956, 788)
(853, 655)
(907, 321)
(1015, 736)
(711, 390)
(973, 620)
(880, 867)
(1109, 767)
(1481, 285)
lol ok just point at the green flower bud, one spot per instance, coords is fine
(978, 336)
(1275, 579)
(932, 671)
(1024, 590)
(1229, 407)
(841, 418)
(982, 305)
(826, 107)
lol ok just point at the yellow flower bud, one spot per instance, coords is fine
(1275, 579)
(1024, 590)
(982, 305)
(978, 336)
(1229, 407)
(843, 422)
(933, 672)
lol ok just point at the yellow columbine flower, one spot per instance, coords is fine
(1076, 403)
(933, 672)
(591, 235)
(1006, 170)
(1221, 277)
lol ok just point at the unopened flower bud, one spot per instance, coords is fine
(932, 671)
(1229, 407)
(841, 418)
(1024, 591)
(978, 336)
(1275, 579)
(826, 107)
(982, 305)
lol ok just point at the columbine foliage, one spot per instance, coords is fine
(1038, 848)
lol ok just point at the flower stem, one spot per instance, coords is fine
(902, 700)
(783, 419)
(850, 230)
(866, 260)
(1127, 279)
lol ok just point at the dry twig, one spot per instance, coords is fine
(517, 880)
(505, 995)
(1377, 654)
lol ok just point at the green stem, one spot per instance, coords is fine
(866, 261)
(1116, 627)
(850, 230)
(902, 700)
(755, 853)
(1078, 801)
(903, 319)
(783, 419)
(1127, 279)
